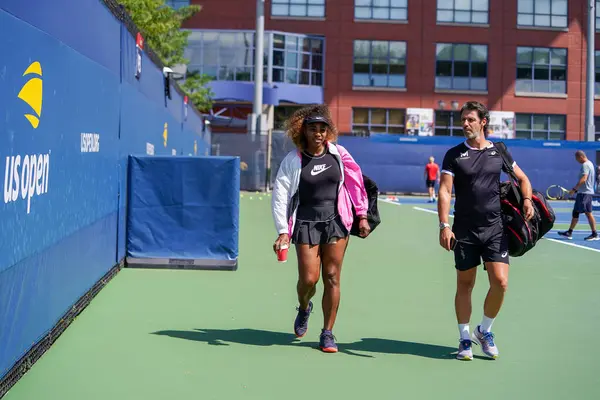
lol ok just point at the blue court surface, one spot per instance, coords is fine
(562, 210)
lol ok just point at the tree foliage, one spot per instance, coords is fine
(161, 27)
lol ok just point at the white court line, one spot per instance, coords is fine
(427, 210)
(391, 202)
(573, 244)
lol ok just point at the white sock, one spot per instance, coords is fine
(486, 324)
(463, 329)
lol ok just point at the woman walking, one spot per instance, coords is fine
(317, 186)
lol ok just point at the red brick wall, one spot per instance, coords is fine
(421, 34)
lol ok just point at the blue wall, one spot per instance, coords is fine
(397, 163)
(63, 203)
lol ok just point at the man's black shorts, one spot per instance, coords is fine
(489, 244)
(583, 203)
(430, 183)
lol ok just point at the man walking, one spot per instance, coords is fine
(583, 200)
(432, 175)
(474, 167)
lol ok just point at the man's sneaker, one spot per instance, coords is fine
(301, 322)
(593, 236)
(486, 341)
(566, 234)
(327, 342)
(465, 352)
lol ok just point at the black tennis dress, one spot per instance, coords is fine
(317, 219)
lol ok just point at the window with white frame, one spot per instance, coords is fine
(463, 11)
(379, 64)
(541, 70)
(448, 123)
(541, 126)
(298, 8)
(461, 66)
(543, 13)
(597, 74)
(366, 121)
(392, 10)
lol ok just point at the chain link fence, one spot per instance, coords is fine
(255, 174)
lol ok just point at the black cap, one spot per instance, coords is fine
(313, 119)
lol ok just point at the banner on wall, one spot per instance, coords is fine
(185, 108)
(139, 47)
(502, 125)
(419, 121)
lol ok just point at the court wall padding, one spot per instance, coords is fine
(183, 212)
(72, 112)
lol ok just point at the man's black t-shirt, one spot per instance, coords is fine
(476, 185)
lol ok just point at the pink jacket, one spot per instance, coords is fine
(351, 189)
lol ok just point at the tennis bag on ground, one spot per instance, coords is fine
(373, 217)
(522, 235)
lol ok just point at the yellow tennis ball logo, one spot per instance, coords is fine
(166, 134)
(32, 92)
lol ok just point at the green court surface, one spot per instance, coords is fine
(165, 334)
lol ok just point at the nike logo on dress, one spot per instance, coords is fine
(317, 169)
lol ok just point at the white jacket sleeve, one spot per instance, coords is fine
(281, 196)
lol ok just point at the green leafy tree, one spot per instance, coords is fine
(161, 27)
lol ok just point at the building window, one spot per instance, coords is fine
(177, 4)
(229, 56)
(223, 56)
(597, 77)
(366, 121)
(541, 126)
(597, 134)
(541, 70)
(447, 123)
(298, 8)
(463, 11)
(379, 64)
(597, 16)
(461, 67)
(542, 13)
(396, 10)
(297, 59)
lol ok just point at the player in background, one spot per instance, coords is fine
(583, 201)
(432, 175)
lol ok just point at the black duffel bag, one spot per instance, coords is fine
(522, 235)
(373, 217)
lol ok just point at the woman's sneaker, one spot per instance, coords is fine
(301, 322)
(327, 342)
(486, 341)
(465, 351)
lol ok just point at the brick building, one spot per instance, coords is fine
(372, 60)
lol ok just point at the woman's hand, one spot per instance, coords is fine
(363, 227)
(281, 240)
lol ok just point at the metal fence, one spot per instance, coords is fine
(256, 174)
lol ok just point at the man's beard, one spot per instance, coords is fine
(472, 134)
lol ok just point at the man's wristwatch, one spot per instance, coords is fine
(444, 225)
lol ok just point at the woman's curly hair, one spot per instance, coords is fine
(295, 124)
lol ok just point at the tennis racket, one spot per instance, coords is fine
(557, 192)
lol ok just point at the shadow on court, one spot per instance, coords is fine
(255, 337)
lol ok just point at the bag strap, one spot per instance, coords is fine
(502, 150)
(511, 172)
